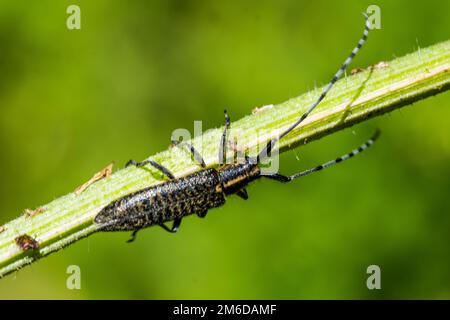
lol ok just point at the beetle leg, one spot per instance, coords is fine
(133, 236)
(202, 214)
(155, 164)
(197, 156)
(175, 226)
(223, 140)
(242, 193)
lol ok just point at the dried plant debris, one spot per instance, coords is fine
(106, 172)
(379, 65)
(31, 213)
(26, 242)
(357, 70)
(2, 228)
(259, 109)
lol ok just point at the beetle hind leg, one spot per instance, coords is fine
(154, 164)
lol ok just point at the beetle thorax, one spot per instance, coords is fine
(234, 177)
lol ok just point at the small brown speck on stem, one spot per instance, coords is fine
(26, 242)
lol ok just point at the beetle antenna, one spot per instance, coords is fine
(367, 144)
(267, 149)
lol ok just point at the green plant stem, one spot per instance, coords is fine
(352, 100)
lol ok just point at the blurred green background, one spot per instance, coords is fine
(72, 101)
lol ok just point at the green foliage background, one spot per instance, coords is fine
(72, 101)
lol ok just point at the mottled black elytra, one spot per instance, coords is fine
(208, 188)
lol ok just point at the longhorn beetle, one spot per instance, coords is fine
(208, 188)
